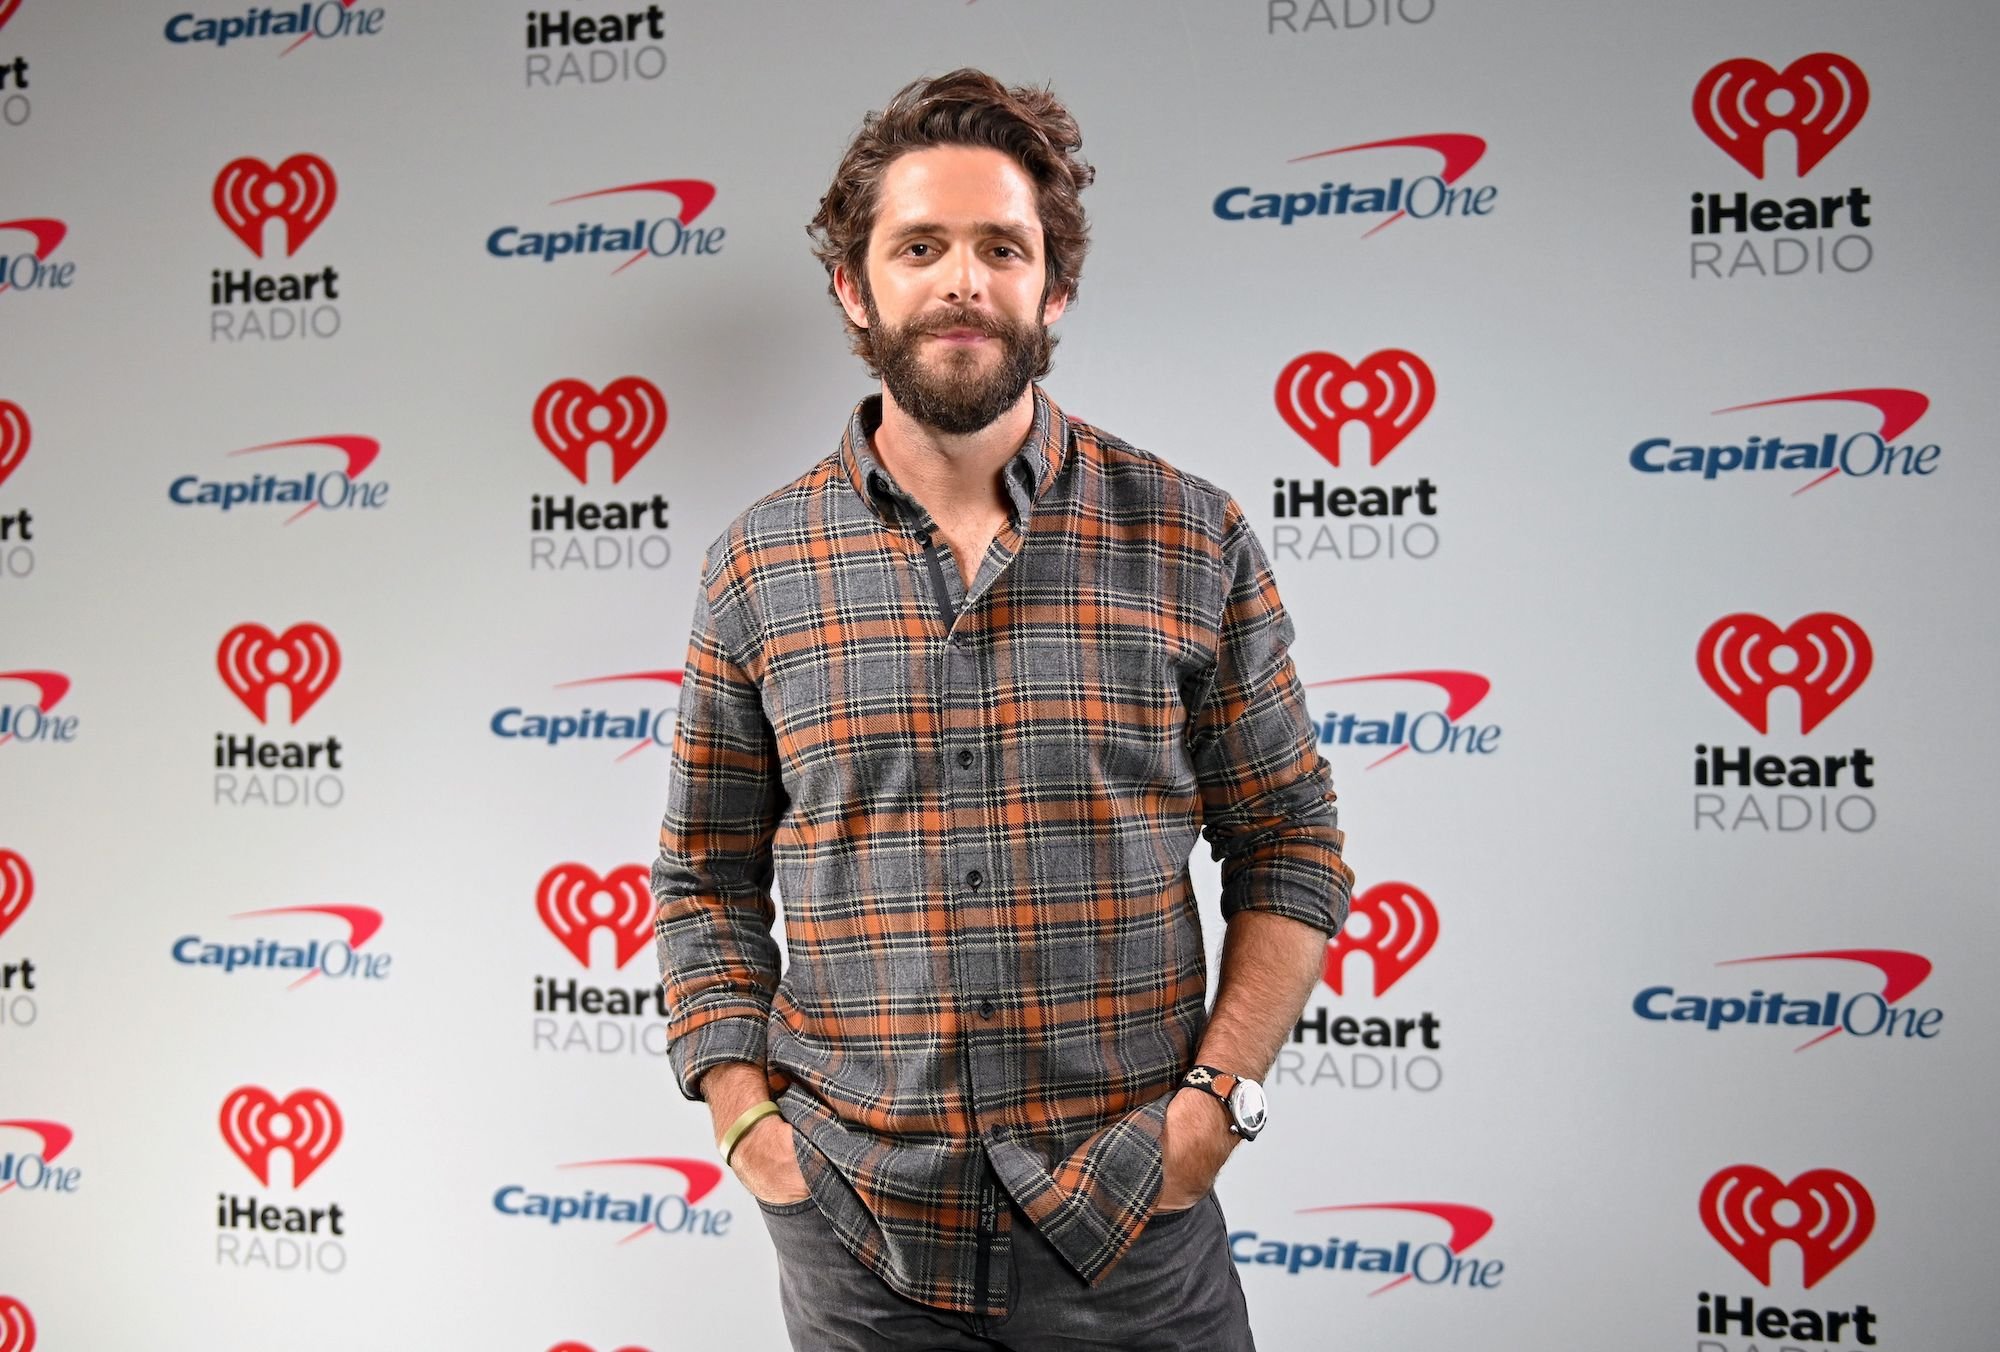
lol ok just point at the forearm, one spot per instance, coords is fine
(1269, 965)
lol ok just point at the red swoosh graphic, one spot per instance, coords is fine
(53, 685)
(48, 233)
(695, 194)
(1899, 408)
(344, 4)
(1459, 151)
(1901, 972)
(670, 677)
(55, 1138)
(1469, 1224)
(1462, 691)
(361, 921)
(702, 1177)
(360, 453)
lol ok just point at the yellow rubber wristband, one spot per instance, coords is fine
(741, 1127)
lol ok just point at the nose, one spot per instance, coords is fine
(963, 277)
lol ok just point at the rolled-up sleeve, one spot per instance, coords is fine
(712, 879)
(1267, 794)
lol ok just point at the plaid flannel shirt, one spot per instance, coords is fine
(979, 806)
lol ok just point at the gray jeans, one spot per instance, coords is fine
(1175, 1289)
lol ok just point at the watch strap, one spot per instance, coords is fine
(1219, 1084)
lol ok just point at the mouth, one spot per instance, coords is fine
(956, 336)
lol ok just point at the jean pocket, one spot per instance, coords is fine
(798, 1208)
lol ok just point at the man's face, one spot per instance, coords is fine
(953, 298)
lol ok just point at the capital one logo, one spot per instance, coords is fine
(17, 1326)
(1822, 657)
(256, 1124)
(627, 416)
(1819, 99)
(252, 660)
(1426, 198)
(299, 193)
(1827, 1213)
(575, 903)
(15, 434)
(1389, 393)
(1395, 924)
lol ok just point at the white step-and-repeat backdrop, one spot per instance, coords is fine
(1611, 388)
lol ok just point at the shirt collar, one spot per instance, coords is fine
(1024, 477)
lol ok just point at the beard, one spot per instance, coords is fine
(956, 392)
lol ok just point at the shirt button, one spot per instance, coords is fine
(985, 1009)
(974, 878)
(964, 759)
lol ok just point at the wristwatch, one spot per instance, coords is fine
(1242, 1099)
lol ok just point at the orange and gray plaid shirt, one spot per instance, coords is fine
(979, 806)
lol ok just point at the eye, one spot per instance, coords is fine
(918, 250)
(1006, 251)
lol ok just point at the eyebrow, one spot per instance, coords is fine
(1012, 230)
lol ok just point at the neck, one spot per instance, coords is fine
(954, 477)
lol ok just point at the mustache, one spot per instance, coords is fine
(943, 321)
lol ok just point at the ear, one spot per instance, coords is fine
(850, 296)
(1055, 305)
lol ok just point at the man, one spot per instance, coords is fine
(968, 687)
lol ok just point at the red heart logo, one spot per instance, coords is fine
(1823, 656)
(17, 1326)
(635, 416)
(1401, 925)
(565, 898)
(299, 192)
(306, 1125)
(304, 659)
(1389, 393)
(7, 8)
(1834, 1217)
(15, 434)
(17, 887)
(1823, 97)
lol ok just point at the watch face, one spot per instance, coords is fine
(1246, 1101)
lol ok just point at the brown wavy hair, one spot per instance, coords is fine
(963, 108)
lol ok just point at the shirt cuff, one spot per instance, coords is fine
(729, 1037)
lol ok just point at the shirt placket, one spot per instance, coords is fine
(978, 909)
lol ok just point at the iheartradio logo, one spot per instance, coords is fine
(628, 416)
(1827, 1213)
(1824, 657)
(17, 887)
(1819, 99)
(1395, 924)
(299, 192)
(15, 434)
(1389, 393)
(17, 1326)
(305, 1125)
(304, 659)
(575, 903)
